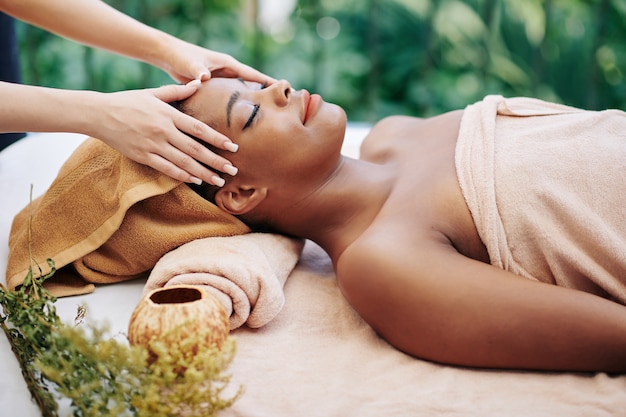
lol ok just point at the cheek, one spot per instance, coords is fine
(271, 140)
(266, 157)
(282, 146)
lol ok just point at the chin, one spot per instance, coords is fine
(337, 133)
(342, 121)
(333, 116)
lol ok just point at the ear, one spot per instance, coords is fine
(239, 200)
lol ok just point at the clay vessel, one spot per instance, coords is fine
(178, 311)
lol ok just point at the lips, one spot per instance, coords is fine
(311, 103)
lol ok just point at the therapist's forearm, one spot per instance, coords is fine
(96, 24)
(26, 108)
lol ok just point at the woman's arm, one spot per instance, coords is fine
(94, 23)
(436, 304)
(137, 124)
(133, 122)
(91, 22)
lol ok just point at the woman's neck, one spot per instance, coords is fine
(340, 208)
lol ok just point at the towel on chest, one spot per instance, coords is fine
(545, 186)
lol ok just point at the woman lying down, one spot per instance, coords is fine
(489, 237)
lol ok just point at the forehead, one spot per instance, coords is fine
(220, 89)
(220, 86)
(209, 104)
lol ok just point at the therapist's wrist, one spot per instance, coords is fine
(164, 48)
(93, 107)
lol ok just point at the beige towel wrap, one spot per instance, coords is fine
(546, 187)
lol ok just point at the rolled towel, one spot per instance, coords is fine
(246, 273)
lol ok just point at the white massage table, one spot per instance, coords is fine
(317, 358)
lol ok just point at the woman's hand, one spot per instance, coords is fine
(190, 64)
(185, 62)
(141, 125)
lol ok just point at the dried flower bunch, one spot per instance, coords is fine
(107, 377)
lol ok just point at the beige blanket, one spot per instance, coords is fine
(546, 187)
(318, 358)
(245, 273)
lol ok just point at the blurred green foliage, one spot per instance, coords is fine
(376, 57)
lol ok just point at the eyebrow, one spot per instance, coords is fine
(231, 102)
(233, 99)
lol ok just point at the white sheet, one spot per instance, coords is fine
(317, 358)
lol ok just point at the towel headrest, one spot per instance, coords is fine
(111, 219)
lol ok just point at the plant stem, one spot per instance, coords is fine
(41, 396)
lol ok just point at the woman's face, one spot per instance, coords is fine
(279, 130)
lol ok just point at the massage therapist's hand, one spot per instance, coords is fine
(141, 125)
(185, 62)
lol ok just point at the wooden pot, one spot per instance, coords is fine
(176, 312)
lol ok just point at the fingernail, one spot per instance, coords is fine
(201, 76)
(229, 169)
(218, 181)
(194, 83)
(230, 146)
(196, 180)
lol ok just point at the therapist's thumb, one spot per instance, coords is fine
(169, 93)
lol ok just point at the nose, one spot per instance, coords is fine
(281, 92)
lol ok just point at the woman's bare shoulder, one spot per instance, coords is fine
(384, 136)
(380, 249)
(382, 133)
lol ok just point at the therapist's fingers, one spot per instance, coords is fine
(191, 125)
(233, 68)
(174, 92)
(224, 65)
(197, 129)
(198, 151)
(182, 166)
(189, 155)
(248, 73)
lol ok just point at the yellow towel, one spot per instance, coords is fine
(108, 219)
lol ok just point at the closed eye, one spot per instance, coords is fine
(255, 110)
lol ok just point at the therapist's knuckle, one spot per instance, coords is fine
(198, 129)
(164, 167)
(194, 148)
(185, 161)
(157, 130)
